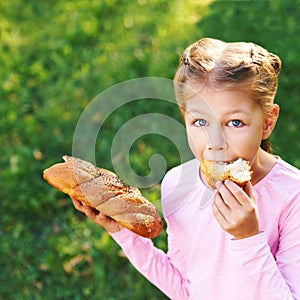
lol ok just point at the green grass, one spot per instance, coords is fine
(56, 56)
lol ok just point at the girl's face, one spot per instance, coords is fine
(225, 125)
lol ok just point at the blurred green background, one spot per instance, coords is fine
(56, 56)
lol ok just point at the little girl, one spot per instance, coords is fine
(232, 242)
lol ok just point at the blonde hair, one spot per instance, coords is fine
(220, 65)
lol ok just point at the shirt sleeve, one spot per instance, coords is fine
(164, 270)
(267, 276)
(158, 267)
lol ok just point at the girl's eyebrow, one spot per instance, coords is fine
(236, 111)
(233, 111)
(196, 113)
(199, 111)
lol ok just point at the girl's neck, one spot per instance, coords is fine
(262, 165)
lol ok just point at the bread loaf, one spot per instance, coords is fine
(106, 192)
(238, 171)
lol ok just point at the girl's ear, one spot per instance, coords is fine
(270, 121)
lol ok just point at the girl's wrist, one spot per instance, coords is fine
(247, 235)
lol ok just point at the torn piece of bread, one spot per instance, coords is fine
(238, 171)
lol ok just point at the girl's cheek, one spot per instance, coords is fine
(197, 144)
(192, 145)
(242, 147)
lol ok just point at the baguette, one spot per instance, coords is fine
(104, 191)
(238, 171)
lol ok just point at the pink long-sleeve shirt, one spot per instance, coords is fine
(205, 262)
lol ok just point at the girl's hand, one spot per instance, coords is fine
(236, 210)
(106, 222)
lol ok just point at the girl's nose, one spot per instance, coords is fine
(216, 139)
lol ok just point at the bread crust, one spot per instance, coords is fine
(104, 191)
(221, 171)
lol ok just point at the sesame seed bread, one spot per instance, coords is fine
(107, 193)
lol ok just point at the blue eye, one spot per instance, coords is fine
(200, 123)
(235, 123)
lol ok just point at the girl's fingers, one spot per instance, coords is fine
(237, 192)
(221, 205)
(228, 196)
(77, 204)
(89, 211)
(249, 190)
(219, 215)
(99, 218)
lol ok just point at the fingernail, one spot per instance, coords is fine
(218, 184)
